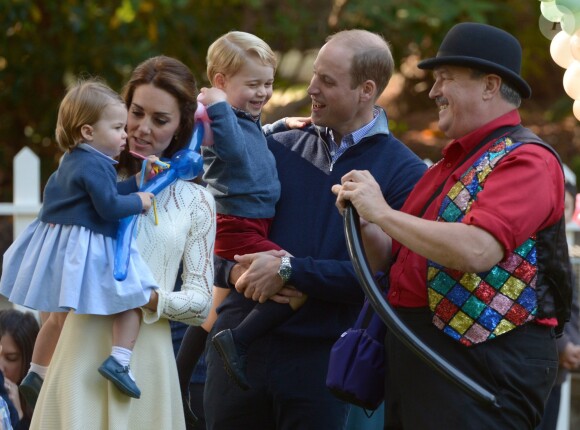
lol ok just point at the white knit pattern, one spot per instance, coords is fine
(185, 230)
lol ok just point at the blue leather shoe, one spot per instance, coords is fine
(119, 375)
(30, 387)
(235, 363)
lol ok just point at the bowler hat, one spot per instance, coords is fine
(482, 47)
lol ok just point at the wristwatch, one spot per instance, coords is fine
(285, 269)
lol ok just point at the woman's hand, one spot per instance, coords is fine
(13, 395)
(153, 301)
(152, 167)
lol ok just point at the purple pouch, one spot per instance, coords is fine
(356, 368)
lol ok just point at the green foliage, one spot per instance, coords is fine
(45, 44)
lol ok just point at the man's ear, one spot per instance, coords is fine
(368, 90)
(219, 81)
(492, 86)
(87, 132)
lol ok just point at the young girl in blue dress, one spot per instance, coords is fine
(64, 260)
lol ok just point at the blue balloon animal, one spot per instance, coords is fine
(186, 164)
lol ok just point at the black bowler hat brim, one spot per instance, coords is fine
(482, 47)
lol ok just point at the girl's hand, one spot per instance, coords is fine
(146, 199)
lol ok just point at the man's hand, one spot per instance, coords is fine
(362, 190)
(260, 281)
(570, 357)
(285, 294)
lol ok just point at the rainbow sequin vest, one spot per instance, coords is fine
(475, 307)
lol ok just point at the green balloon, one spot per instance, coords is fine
(568, 6)
(551, 12)
(571, 23)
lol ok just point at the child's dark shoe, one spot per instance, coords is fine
(234, 362)
(30, 388)
(119, 375)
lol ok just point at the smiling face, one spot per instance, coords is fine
(251, 87)
(335, 104)
(108, 134)
(458, 95)
(154, 119)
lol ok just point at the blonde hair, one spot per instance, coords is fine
(83, 104)
(229, 52)
(372, 58)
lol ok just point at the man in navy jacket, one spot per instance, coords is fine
(287, 367)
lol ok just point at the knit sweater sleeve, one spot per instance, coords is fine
(193, 223)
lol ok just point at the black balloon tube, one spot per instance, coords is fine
(392, 320)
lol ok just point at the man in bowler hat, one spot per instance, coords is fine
(480, 269)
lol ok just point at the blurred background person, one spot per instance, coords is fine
(18, 331)
(569, 342)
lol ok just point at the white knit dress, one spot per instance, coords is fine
(74, 395)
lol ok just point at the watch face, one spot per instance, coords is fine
(285, 269)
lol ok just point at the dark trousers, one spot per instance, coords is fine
(196, 404)
(518, 367)
(550, 418)
(288, 389)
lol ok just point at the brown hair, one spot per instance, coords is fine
(174, 77)
(23, 328)
(83, 104)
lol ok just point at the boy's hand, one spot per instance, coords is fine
(210, 96)
(297, 121)
(146, 199)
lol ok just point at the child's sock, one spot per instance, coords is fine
(261, 319)
(123, 356)
(38, 369)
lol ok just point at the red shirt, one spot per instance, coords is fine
(524, 194)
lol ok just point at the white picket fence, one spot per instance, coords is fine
(26, 201)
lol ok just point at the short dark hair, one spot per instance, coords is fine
(508, 93)
(372, 58)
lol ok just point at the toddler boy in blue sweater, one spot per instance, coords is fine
(240, 172)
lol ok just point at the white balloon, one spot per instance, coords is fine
(560, 49)
(576, 109)
(571, 80)
(575, 45)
